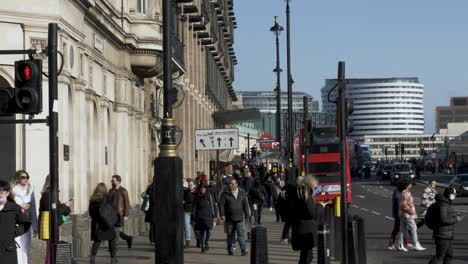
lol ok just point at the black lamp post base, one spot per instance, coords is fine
(168, 214)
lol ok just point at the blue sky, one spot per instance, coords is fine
(427, 39)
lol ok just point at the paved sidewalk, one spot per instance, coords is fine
(143, 253)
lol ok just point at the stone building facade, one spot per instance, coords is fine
(110, 88)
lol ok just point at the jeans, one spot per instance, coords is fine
(188, 227)
(286, 229)
(444, 252)
(306, 256)
(112, 247)
(232, 228)
(205, 235)
(408, 225)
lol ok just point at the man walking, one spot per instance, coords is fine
(442, 219)
(121, 203)
(234, 209)
(428, 198)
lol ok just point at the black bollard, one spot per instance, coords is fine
(259, 246)
(353, 251)
(337, 237)
(323, 246)
(361, 241)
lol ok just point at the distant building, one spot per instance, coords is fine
(457, 112)
(266, 103)
(390, 106)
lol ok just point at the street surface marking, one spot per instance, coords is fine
(364, 209)
(361, 196)
(376, 213)
(389, 218)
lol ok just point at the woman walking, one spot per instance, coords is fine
(103, 220)
(407, 216)
(23, 192)
(256, 199)
(203, 214)
(427, 199)
(305, 215)
(13, 222)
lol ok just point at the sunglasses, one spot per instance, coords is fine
(24, 177)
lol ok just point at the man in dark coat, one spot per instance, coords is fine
(13, 223)
(121, 203)
(256, 197)
(234, 209)
(444, 219)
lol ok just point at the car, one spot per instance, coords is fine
(396, 172)
(460, 183)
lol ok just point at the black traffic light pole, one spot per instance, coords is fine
(343, 144)
(306, 135)
(168, 195)
(53, 139)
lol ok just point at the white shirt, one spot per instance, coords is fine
(235, 193)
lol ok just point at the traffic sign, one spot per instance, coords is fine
(213, 139)
(266, 140)
(275, 145)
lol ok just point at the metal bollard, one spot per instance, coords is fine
(259, 246)
(337, 238)
(353, 257)
(323, 247)
(329, 218)
(361, 241)
(64, 253)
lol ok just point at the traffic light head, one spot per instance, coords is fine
(27, 94)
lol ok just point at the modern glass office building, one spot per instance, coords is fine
(382, 106)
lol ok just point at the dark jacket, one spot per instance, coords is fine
(13, 223)
(257, 195)
(235, 210)
(304, 221)
(188, 200)
(204, 211)
(286, 201)
(149, 213)
(396, 204)
(247, 183)
(102, 214)
(445, 219)
(44, 205)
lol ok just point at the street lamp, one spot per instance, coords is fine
(276, 29)
(167, 182)
(290, 137)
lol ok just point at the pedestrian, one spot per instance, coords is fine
(247, 181)
(203, 215)
(407, 216)
(442, 218)
(279, 185)
(103, 220)
(14, 223)
(270, 192)
(256, 197)
(234, 211)
(304, 219)
(189, 195)
(287, 201)
(428, 198)
(121, 203)
(23, 192)
(148, 209)
(396, 216)
(63, 210)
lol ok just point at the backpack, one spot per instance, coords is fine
(432, 215)
(108, 215)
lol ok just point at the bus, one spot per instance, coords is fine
(324, 162)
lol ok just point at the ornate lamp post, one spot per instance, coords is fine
(276, 29)
(168, 195)
(290, 133)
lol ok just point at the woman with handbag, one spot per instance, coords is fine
(23, 192)
(103, 220)
(147, 207)
(44, 215)
(203, 214)
(13, 223)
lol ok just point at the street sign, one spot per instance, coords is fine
(275, 145)
(266, 140)
(213, 139)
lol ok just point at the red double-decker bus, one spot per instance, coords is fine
(324, 162)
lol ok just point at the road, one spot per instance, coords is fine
(372, 200)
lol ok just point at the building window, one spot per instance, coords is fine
(141, 7)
